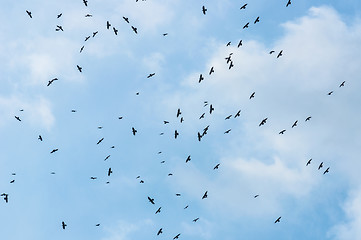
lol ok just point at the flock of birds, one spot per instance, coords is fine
(200, 134)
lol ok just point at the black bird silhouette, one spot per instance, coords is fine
(29, 13)
(199, 137)
(329, 93)
(181, 120)
(257, 20)
(150, 75)
(59, 15)
(95, 33)
(308, 119)
(188, 158)
(216, 167)
(134, 131)
(326, 171)
(196, 219)
(294, 124)
(246, 25)
(18, 118)
(204, 10)
(158, 211)
(100, 140)
(178, 194)
(110, 171)
(211, 109)
(86, 38)
(81, 49)
(177, 236)
(320, 166)
(228, 117)
(93, 178)
(12, 181)
(271, 52)
(176, 134)
(165, 34)
(85, 2)
(51, 81)
(6, 197)
(228, 59)
(135, 30)
(151, 200)
(282, 131)
(240, 43)
(238, 114)
(227, 131)
(107, 157)
(288, 3)
(88, 15)
(73, 110)
(165, 122)
(205, 195)
(160, 231)
(308, 162)
(108, 25)
(202, 116)
(54, 150)
(97, 225)
(63, 224)
(228, 44)
(201, 78)
(244, 6)
(280, 54)
(186, 207)
(252, 95)
(115, 31)
(278, 220)
(211, 71)
(40, 138)
(256, 196)
(79, 68)
(342, 84)
(59, 28)
(263, 122)
(179, 112)
(126, 19)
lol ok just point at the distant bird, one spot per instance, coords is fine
(54, 150)
(205, 195)
(211, 71)
(202, 116)
(211, 109)
(178, 194)
(97, 225)
(263, 122)
(59, 28)
(308, 119)
(12, 181)
(228, 117)
(228, 44)
(134, 131)
(244, 6)
(257, 20)
(288, 3)
(280, 54)
(110, 171)
(52, 173)
(188, 158)
(141, 181)
(329, 93)
(282, 131)
(177, 236)
(320, 166)
(199, 136)
(85, 2)
(59, 15)
(230, 65)
(204, 10)
(308, 162)
(40, 138)
(216, 167)
(81, 49)
(294, 124)
(160, 231)
(86, 38)
(228, 59)
(179, 112)
(165, 122)
(18, 118)
(100, 140)
(342, 84)
(95, 33)
(158, 211)
(126, 19)
(278, 220)
(240, 43)
(252, 95)
(170, 174)
(150, 75)
(73, 110)
(256, 196)
(107, 157)
(93, 178)
(165, 34)
(6, 197)
(196, 219)
(88, 15)
(246, 25)
(135, 30)
(79, 68)
(51, 81)
(227, 131)
(29, 13)
(326, 171)
(63, 224)
(201, 78)
(115, 31)
(238, 114)
(108, 25)
(181, 120)
(151, 200)
(271, 52)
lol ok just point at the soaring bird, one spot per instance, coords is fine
(308, 119)
(294, 124)
(51, 81)
(81, 49)
(263, 122)
(40, 138)
(79, 68)
(288, 3)
(107, 157)
(150, 75)
(88, 15)
(282, 131)
(6, 197)
(257, 20)
(240, 43)
(199, 136)
(326, 171)
(165, 122)
(86, 38)
(211, 109)
(204, 10)
(100, 140)
(196, 219)
(59, 15)
(18, 118)
(158, 211)
(278, 220)
(108, 25)
(309, 162)
(63, 224)
(151, 200)
(280, 54)
(252, 95)
(256, 196)
(126, 19)
(228, 117)
(179, 112)
(54, 150)
(29, 13)
(244, 6)
(227, 131)
(271, 52)
(202, 116)
(320, 166)
(134, 131)
(110, 171)
(135, 30)
(93, 178)
(12, 181)
(97, 225)
(85, 2)
(188, 158)
(115, 31)
(216, 167)
(201, 78)
(205, 195)
(228, 44)
(176, 134)
(59, 28)
(329, 93)
(211, 71)
(160, 231)
(238, 114)
(177, 236)
(95, 33)
(342, 84)
(246, 25)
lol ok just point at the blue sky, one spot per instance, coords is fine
(320, 42)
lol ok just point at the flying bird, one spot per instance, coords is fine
(342, 84)
(329, 93)
(188, 158)
(108, 25)
(228, 117)
(18, 118)
(107, 157)
(282, 131)
(177, 236)
(246, 25)
(95, 33)
(211, 71)
(115, 31)
(199, 137)
(151, 200)
(160, 231)
(320, 166)
(271, 52)
(278, 220)
(81, 49)
(88, 15)
(54, 150)
(51, 81)
(134, 131)
(263, 122)
(202, 116)
(280, 54)
(110, 171)
(100, 140)
(244, 6)
(12, 181)
(204, 10)
(59, 28)
(79, 68)
(308, 119)
(227, 131)
(150, 75)
(126, 19)
(158, 211)
(29, 13)
(201, 78)
(211, 109)
(59, 15)
(165, 122)
(196, 219)
(135, 30)
(308, 162)
(86, 38)
(240, 43)
(294, 124)
(216, 167)
(179, 112)
(40, 138)
(205, 195)
(326, 171)
(257, 20)
(256, 196)
(252, 95)
(228, 44)
(85, 2)
(288, 3)
(176, 134)
(93, 178)
(63, 224)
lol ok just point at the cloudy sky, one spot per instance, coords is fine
(321, 47)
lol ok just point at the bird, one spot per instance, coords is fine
(165, 122)
(40, 138)
(100, 140)
(85, 2)
(63, 224)
(179, 112)
(308, 118)
(246, 25)
(59, 15)
(244, 6)
(256, 196)
(201, 78)
(88, 15)
(228, 44)
(107, 157)
(294, 124)
(150, 75)
(93, 178)
(108, 25)
(158, 211)
(199, 136)
(278, 220)
(240, 43)
(216, 167)
(202, 116)
(141, 181)
(151, 200)
(228, 59)
(211, 71)
(188, 158)
(227, 131)
(177, 236)
(73, 110)
(181, 120)
(205, 195)
(263, 122)
(257, 20)
(196, 219)
(165, 34)
(86, 38)
(58, 28)
(280, 54)
(282, 131)
(186, 207)
(178, 194)
(204, 10)
(97, 225)
(211, 109)
(288, 3)
(326, 171)
(320, 166)
(160, 231)
(342, 84)
(12, 181)
(309, 162)
(81, 49)
(110, 171)
(115, 31)
(238, 114)
(126, 19)
(95, 33)
(29, 13)
(252, 95)
(79, 68)
(134, 131)
(54, 150)
(228, 117)
(51, 81)
(18, 118)
(271, 52)
(329, 93)
(135, 30)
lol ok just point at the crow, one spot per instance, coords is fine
(252, 95)
(110, 171)
(126, 19)
(79, 68)
(201, 78)
(216, 167)
(177, 236)
(329, 93)
(256, 196)
(278, 220)
(320, 166)
(199, 137)
(40, 138)
(308, 119)
(135, 30)
(93, 178)
(263, 122)
(280, 54)
(227, 131)
(196, 219)
(18, 118)
(108, 25)
(29, 13)
(257, 20)
(59, 28)
(134, 131)
(158, 211)
(51, 81)
(107, 157)
(211, 109)
(165, 122)
(238, 114)
(88, 15)
(204, 10)
(85, 2)
(176, 134)
(115, 31)
(282, 132)
(202, 116)
(81, 49)
(179, 112)
(288, 3)
(309, 162)
(95, 33)
(150, 75)
(12, 181)
(228, 117)
(188, 158)
(228, 44)
(54, 150)
(211, 71)
(326, 171)
(240, 43)
(246, 25)
(244, 6)
(86, 38)
(151, 200)
(205, 195)
(294, 124)
(63, 224)
(59, 15)
(342, 84)
(160, 231)
(271, 52)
